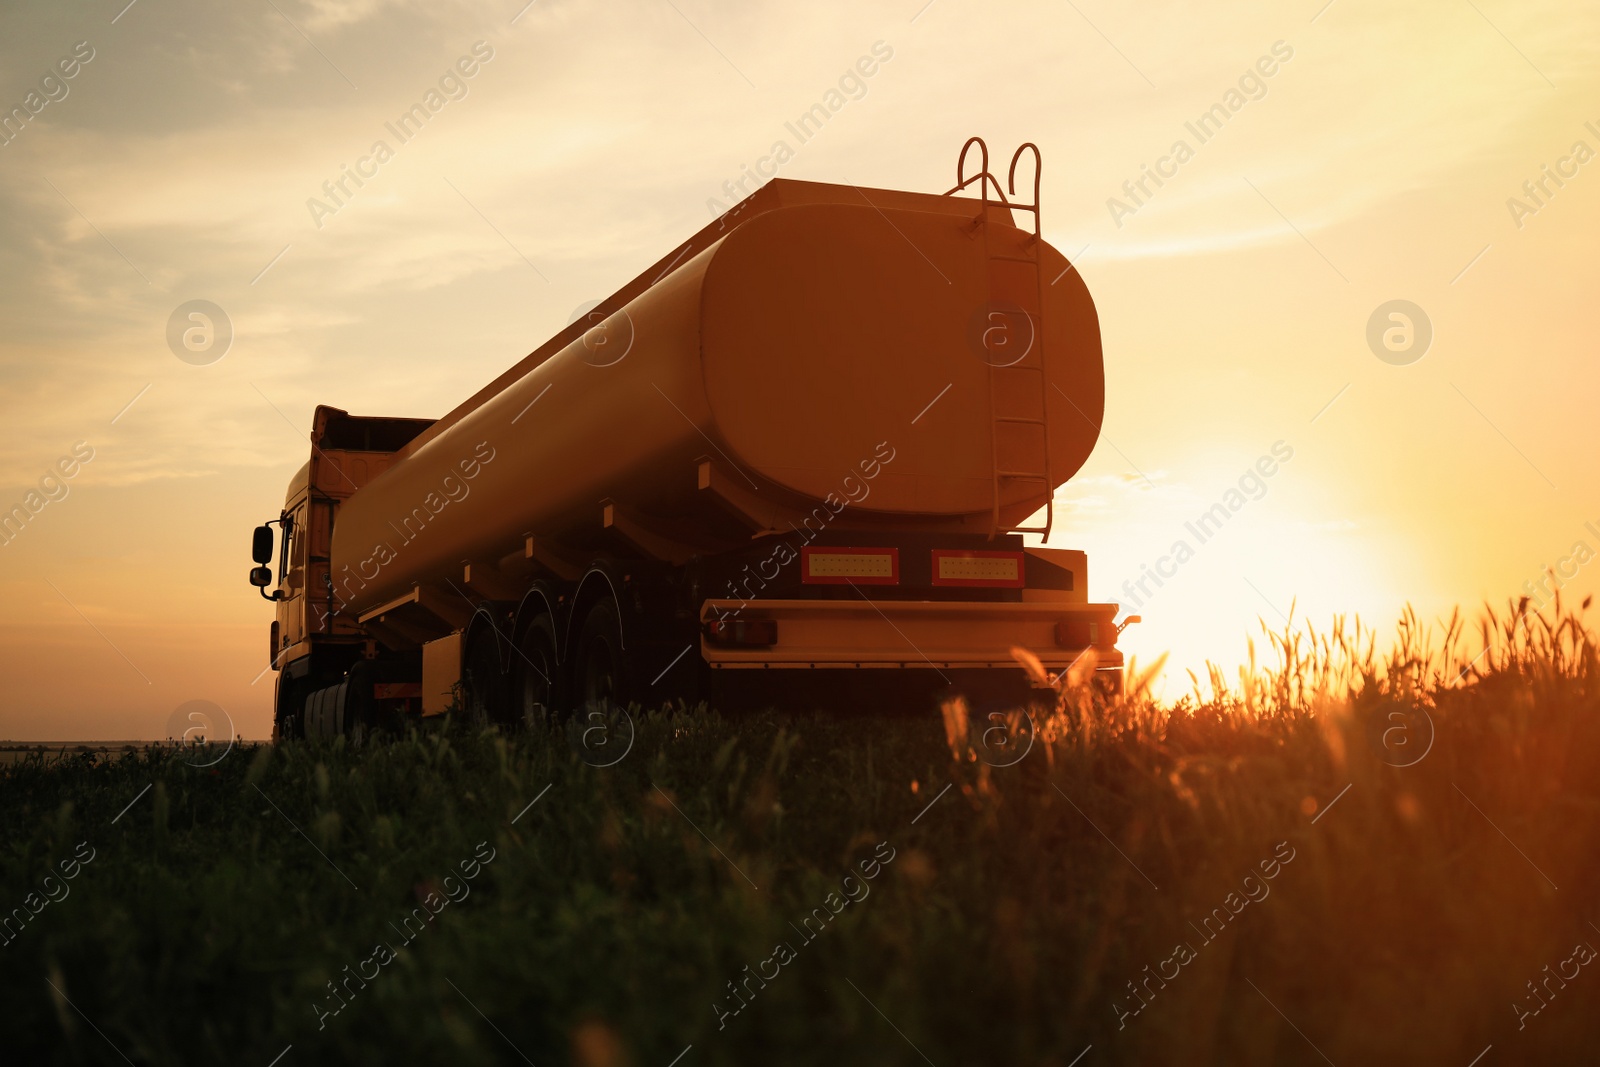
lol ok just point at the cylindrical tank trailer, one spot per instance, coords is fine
(800, 454)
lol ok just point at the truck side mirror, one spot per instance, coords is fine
(261, 577)
(261, 548)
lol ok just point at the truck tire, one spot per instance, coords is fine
(537, 692)
(288, 723)
(601, 679)
(483, 682)
(359, 718)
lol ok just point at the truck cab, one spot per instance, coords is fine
(312, 641)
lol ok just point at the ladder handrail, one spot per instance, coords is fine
(1038, 172)
(984, 179)
(983, 175)
(961, 162)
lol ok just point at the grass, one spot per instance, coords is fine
(1015, 905)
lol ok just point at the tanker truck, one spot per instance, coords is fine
(809, 456)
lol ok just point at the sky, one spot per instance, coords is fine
(1383, 159)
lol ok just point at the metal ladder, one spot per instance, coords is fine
(1031, 365)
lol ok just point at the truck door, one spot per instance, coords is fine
(292, 609)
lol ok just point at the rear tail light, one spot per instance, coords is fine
(858, 566)
(993, 570)
(745, 632)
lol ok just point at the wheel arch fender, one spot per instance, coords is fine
(597, 584)
(542, 599)
(482, 621)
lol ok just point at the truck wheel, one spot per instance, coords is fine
(536, 687)
(288, 723)
(600, 679)
(482, 682)
(359, 720)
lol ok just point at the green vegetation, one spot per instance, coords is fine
(1003, 924)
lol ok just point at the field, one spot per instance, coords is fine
(1340, 857)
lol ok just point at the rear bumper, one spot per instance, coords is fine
(835, 634)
